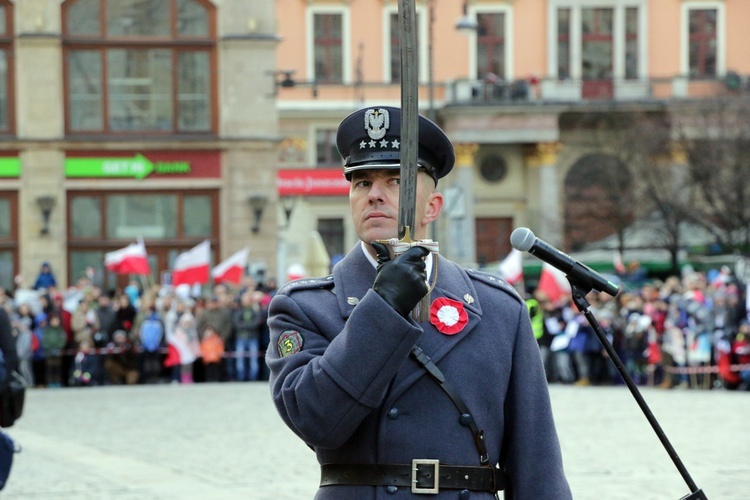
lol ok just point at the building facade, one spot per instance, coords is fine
(523, 97)
(134, 119)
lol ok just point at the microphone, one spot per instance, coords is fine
(524, 240)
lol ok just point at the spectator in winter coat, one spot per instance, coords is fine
(125, 313)
(218, 316)
(46, 278)
(84, 323)
(54, 339)
(107, 319)
(121, 365)
(247, 321)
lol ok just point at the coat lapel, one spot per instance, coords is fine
(353, 277)
(453, 283)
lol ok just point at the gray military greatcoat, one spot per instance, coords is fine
(343, 381)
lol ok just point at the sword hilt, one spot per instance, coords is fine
(421, 311)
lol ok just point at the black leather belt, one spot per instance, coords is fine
(422, 476)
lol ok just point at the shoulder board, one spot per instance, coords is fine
(307, 284)
(494, 281)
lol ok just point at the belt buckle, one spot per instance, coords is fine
(414, 469)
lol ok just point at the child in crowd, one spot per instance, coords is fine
(212, 350)
(85, 366)
(184, 348)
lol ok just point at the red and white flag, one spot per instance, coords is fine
(511, 268)
(191, 267)
(553, 283)
(232, 269)
(129, 260)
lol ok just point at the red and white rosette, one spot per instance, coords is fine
(448, 316)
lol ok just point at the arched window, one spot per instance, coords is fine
(139, 66)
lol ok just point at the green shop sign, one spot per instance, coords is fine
(10, 167)
(136, 167)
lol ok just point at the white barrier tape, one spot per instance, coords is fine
(703, 369)
(161, 350)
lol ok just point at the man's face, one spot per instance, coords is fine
(373, 197)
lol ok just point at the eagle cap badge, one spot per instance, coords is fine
(377, 122)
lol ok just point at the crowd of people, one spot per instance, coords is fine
(691, 331)
(85, 336)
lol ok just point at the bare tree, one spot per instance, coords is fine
(716, 137)
(634, 185)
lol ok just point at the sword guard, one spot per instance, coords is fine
(422, 311)
(405, 243)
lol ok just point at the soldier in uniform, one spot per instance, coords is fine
(456, 407)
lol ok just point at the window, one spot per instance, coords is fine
(598, 43)
(8, 239)
(130, 216)
(631, 43)
(169, 222)
(490, 57)
(139, 66)
(395, 44)
(328, 52)
(493, 168)
(327, 154)
(332, 233)
(702, 42)
(491, 44)
(392, 44)
(563, 44)
(6, 67)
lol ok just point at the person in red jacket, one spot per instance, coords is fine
(741, 352)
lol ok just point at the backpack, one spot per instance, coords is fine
(12, 396)
(152, 331)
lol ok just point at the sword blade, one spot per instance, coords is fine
(407, 19)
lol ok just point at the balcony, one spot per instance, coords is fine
(522, 91)
(314, 96)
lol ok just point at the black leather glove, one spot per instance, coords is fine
(402, 282)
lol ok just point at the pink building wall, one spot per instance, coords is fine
(529, 44)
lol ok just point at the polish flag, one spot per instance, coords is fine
(180, 349)
(129, 260)
(553, 283)
(511, 268)
(232, 269)
(191, 267)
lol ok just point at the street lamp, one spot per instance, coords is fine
(257, 203)
(46, 204)
(466, 24)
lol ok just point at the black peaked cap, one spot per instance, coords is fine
(370, 138)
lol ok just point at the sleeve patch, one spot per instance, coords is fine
(290, 342)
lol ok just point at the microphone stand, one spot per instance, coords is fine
(580, 290)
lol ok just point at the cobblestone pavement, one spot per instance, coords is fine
(221, 441)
